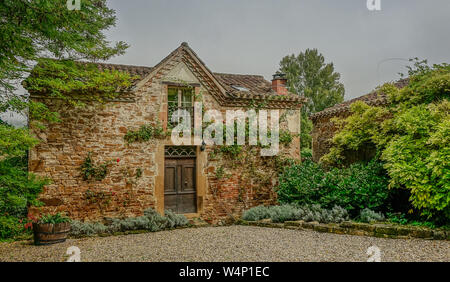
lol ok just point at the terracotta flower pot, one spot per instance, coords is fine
(46, 234)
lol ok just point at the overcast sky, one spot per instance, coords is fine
(251, 36)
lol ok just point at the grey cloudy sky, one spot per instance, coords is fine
(251, 36)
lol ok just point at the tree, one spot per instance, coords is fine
(411, 135)
(30, 30)
(47, 28)
(309, 75)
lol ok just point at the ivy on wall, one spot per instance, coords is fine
(76, 82)
(91, 171)
(145, 133)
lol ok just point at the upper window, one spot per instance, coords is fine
(180, 98)
(240, 88)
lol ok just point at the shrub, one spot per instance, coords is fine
(79, 228)
(368, 215)
(145, 133)
(354, 188)
(284, 213)
(10, 227)
(53, 219)
(18, 188)
(256, 213)
(306, 153)
(412, 135)
(151, 221)
(317, 213)
(175, 220)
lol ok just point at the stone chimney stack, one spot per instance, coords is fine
(279, 83)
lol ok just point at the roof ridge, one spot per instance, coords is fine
(239, 74)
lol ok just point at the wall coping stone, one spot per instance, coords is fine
(381, 230)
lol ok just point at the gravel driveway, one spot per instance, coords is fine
(231, 243)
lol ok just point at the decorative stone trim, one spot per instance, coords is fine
(357, 228)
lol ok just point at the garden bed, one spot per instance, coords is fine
(382, 230)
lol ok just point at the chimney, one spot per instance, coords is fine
(279, 83)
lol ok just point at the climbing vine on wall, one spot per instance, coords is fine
(145, 133)
(91, 171)
(77, 82)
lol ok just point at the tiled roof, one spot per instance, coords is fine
(256, 84)
(375, 98)
(237, 89)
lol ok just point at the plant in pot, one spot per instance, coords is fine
(51, 229)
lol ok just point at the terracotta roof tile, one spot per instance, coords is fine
(375, 98)
(256, 84)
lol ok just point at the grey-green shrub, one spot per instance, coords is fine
(175, 220)
(79, 228)
(256, 213)
(368, 215)
(151, 220)
(284, 213)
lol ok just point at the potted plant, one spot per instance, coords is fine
(51, 229)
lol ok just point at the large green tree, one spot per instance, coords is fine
(30, 30)
(309, 75)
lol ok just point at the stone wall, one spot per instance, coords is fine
(323, 131)
(100, 129)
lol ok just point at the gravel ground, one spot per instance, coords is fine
(231, 243)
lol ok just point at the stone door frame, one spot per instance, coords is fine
(200, 179)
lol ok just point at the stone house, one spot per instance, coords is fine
(324, 129)
(193, 180)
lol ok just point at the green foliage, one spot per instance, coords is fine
(368, 215)
(309, 75)
(256, 213)
(53, 219)
(14, 142)
(412, 135)
(145, 133)
(18, 188)
(405, 219)
(306, 153)
(89, 170)
(10, 227)
(306, 126)
(284, 213)
(287, 212)
(34, 29)
(78, 228)
(354, 188)
(74, 81)
(175, 220)
(285, 137)
(231, 150)
(221, 173)
(151, 221)
(31, 29)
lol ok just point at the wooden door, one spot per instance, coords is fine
(180, 193)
